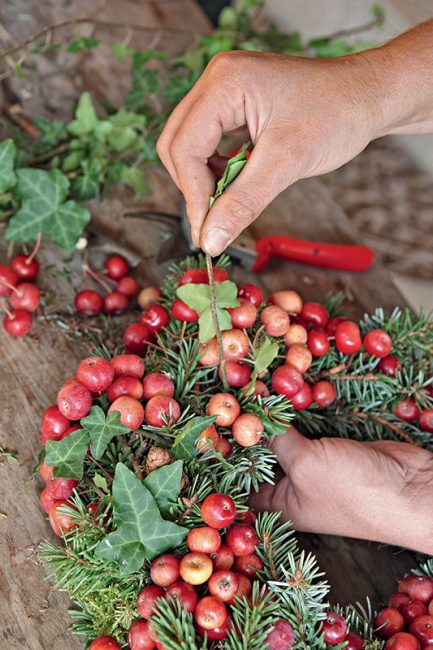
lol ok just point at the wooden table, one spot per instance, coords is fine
(33, 613)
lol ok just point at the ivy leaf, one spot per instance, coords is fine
(44, 211)
(102, 429)
(85, 116)
(124, 118)
(233, 168)
(67, 455)
(263, 357)
(51, 132)
(134, 177)
(121, 50)
(7, 158)
(164, 484)
(82, 44)
(140, 58)
(184, 446)
(142, 534)
(101, 483)
(86, 186)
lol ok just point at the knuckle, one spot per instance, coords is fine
(240, 209)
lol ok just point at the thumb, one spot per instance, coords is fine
(268, 172)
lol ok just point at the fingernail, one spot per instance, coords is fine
(215, 241)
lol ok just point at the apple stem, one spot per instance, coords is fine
(4, 307)
(36, 249)
(213, 309)
(88, 271)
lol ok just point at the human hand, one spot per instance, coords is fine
(380, 491)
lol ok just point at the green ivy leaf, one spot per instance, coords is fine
(51, 132)
(124, 118)
(263, 357)
(67, 455)
(134, 177)
(142, 534)
(86, 186)
(184, 446)
(140, 58)
(43, 209)
(102, 429)
(233, 168)
(85, 116)
(164, 484)
(7, 159)
(121, 50)
(82, 44)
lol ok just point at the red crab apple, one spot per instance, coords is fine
(334, 628)
(181, 311)
(194, 276)
(185, 594)
(251, 293)
(422, 629)
(135, 338)
(220, 275)
(218, 510)
(430, 608)
(148, 297)
(225, 407)
(88, 302)
(288, 300)
(287, 381)
(139, 637)
(104, 643)
(7, 277)
(128, 364)
(95, 373)
(235, 344)
(303, 398)
(389, 365)
(17, 322)
(377, 343)
(275, 320)
(223, 584)
(155, 318)
(389, 621)
(323, 393)
(60, 521)
(295, 334)
(241, 539)
(407, 410)
(412, 610)
(426, 420)
(25, 267)
(331, 327)
(218, 633)
(164, 570)
(46, 471)
(248, 430)
(26, 296)
(74, 400)
(210, 613)
(318, 342)
(354, 642)
(203, 539)
(348, 337)
(248, 565)
(398, 599)
(238, 373)
(223, 447)
(127, 285)
(47, 501)
(223, 558)
(115, 303)
(282, 636)
(208, 353)
(61, 488)
(160, 409)
(156, 383)
(299, 356)
(54, 424)
(196, 568)
(315, 313)
(243, 316)
(402, 641)
(244, 589)
(131, 411)
(209, 435)
(125, 385)
(147, 598)
(117, 267)
(417, 587)
(260, 388)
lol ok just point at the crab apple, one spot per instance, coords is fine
(248, 565)
(260, 388)
(299, 356)
(223, 584)
(115, 303)
(164, 570)
(135, 338)
(223, 447)
(282, 636)
(389, 621)
(219, 275)
(217, 633)
(422, 629)
(195, 568)
(193, 276)
(238, 373)
(251, 293)
(377, 343)
(412, 610)
(61, 522)
(417, 587)
(218, 510)
(127, 285)
(398, 599)
(323, 393)
(26, 296)
(389, 365)
(354, 642)
(89, 302)
(95, 373)
(74, 400)
(148, 297)
(54, 424)
(25, 267)
(7, 277)
(185, 594)
(242, 539)
(104, 643)
(203, 540)
(47, 501)
(156, 383)
(275, 320)
(318, 342)
(348, 337)
(407, 410)
(286, 381)
(225, 407)
(244, 589)
(131, 411)
(128, 364)
(402, 641)
(46, 471)
(288, 300)
(209, 435)
(315, 313)
(426, 420)
(243, 316)
(161, 409)
(139, 637)
(117, 267)
(331, 327)
(208, 353)
(155, 318)
(430, 608)
(17, 323)
(247, 517)
(181, 311)
(295, 334)
(125, 385)
(235, 344)
(223, 558)
(248, 430)
(334, 627)
(61, 488)
(303, 398)
(147, 598)
(210, 613)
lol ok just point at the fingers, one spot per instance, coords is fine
(289, 447)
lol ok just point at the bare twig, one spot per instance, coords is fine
(214, 312)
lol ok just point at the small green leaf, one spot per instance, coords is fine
(226, 294)
(121, 138)
(233, 168)
(228, 17)
(124, 118)
(6, 453)
(164, 484)
(102, 429)
(101, 483)
(86, 186)
(67, 455)
(184, 446)
(140, 58)
(85, 116)
(134, 178)
(82, 44)
(207, 327)
(196, 296)
(121, 50)
(7, 159)
(263, 357)
(47, 47)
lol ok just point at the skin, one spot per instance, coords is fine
(307, 117)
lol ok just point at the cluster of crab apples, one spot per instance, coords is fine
(207, 581)
(19, 295)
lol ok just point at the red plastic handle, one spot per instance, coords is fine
(329, 256)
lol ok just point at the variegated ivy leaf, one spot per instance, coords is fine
(67, 455)
(185, 443)
(7, 159)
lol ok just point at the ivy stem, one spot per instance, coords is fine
(90, 457)
(213, 309)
